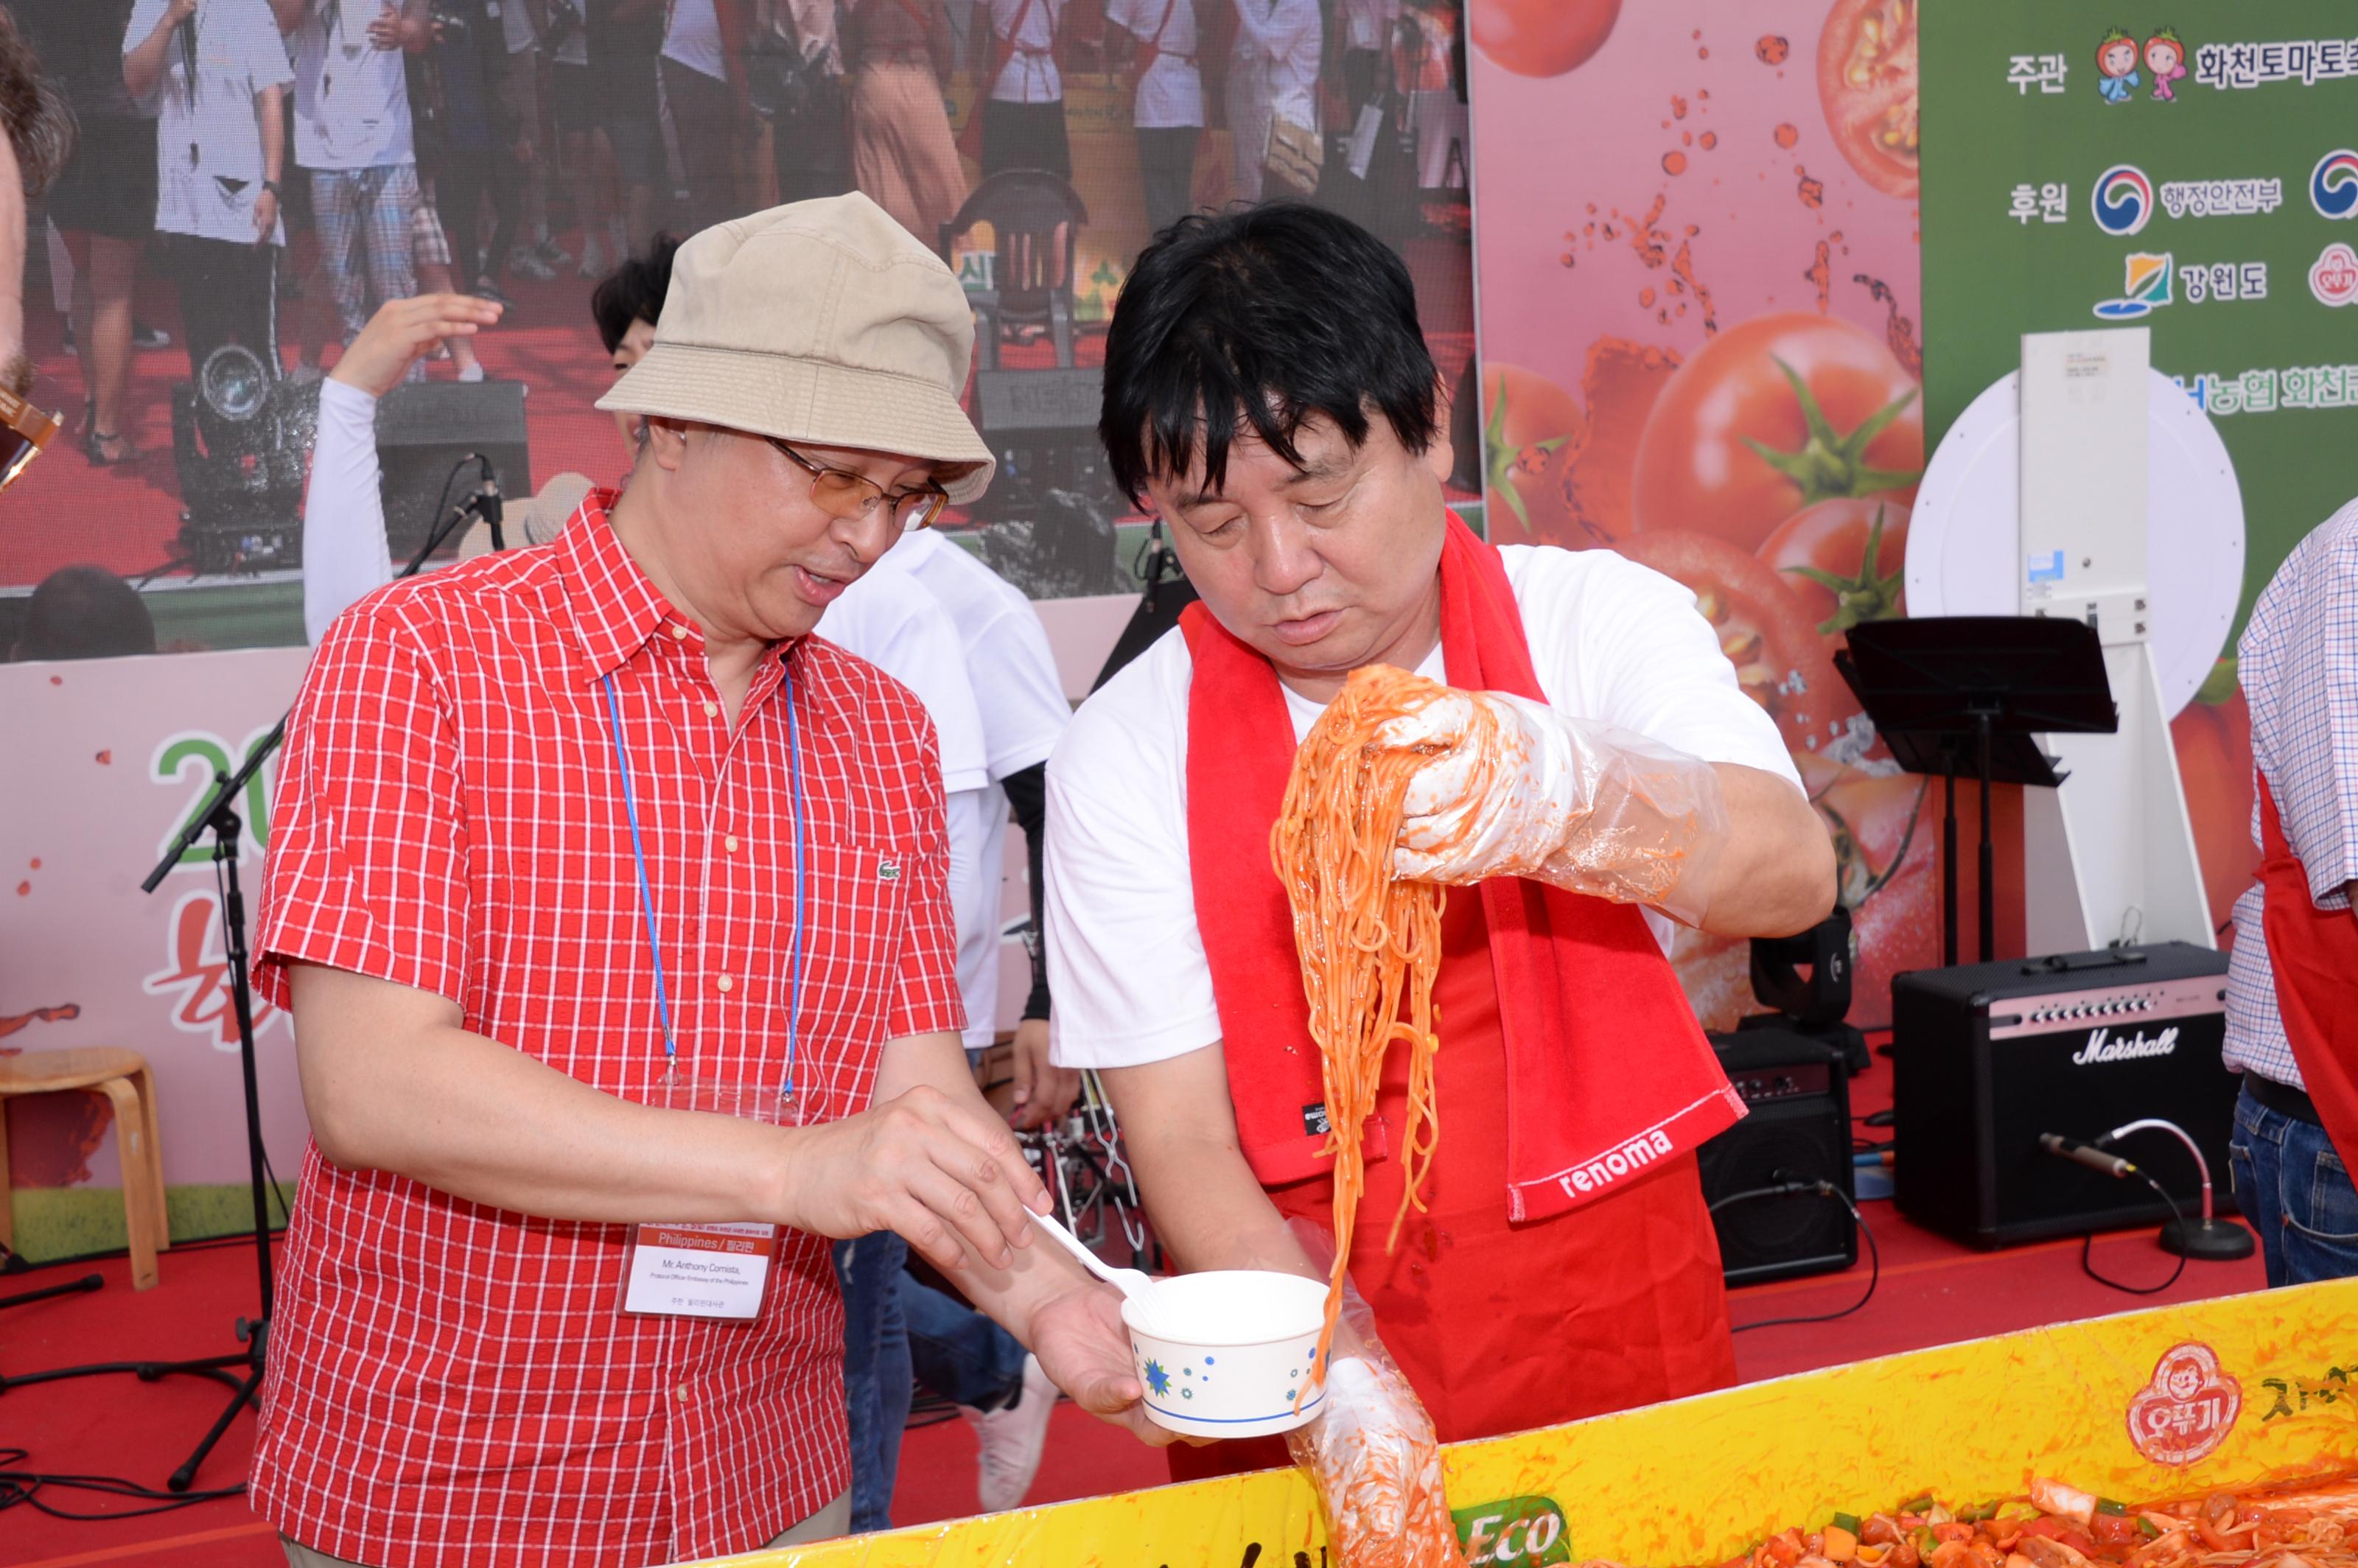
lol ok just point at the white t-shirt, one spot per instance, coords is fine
(1021, 700)
(1170, 93)
(889, 620)
(1016, 686)
(692, 37)
(352, 99)
(1030, 75)
(1611, 641)
(893, 624)
(209, 144)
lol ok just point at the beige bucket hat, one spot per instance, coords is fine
(821, 321)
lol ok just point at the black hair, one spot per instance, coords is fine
(84, 613)
(1261, 319)
(634, 291)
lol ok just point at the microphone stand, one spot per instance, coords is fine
(239, 1371)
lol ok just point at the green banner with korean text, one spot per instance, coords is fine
(2188, 168)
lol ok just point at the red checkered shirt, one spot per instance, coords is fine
(451, 1383)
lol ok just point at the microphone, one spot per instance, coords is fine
(488, 505)
(2081, 1153)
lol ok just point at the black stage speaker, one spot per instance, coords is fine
(1798, 1092)
(1988, 1057)
(422, 428)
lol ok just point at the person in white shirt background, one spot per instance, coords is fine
(1024, 118)
(352, 136)
(215, 73)
(971, 648)
(1167, 101)
(703, 73)
(1273, 75)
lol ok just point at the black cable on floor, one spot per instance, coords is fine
(23, 1487)
(2088, 1242)
(1825, 1190)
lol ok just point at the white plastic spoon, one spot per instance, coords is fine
(1132, 1282)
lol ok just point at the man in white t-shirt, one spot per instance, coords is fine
(971, 646)
(1269, 392)
(1024, 118)
(1167, 101)
(703, 69)
(215, 74)
(1273, 75)
(352, 134)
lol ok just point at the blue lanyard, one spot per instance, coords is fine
(647, 894)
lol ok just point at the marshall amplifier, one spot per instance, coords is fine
(1986, 1057)
(1797, 1129)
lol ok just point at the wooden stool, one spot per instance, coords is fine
(123, 1078)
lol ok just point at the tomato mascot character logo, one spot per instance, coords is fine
(2121, 200)
(2333, 184)
(2188, 1408)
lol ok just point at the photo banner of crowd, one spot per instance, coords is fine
(252, 179)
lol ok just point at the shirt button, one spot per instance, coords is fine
(682, 1391)
(726, 984)
(679, 634)
(730, 842)
(711, 709)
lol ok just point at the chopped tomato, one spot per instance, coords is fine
(1866, 86)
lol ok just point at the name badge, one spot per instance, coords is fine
(705, 1270)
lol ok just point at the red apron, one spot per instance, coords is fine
(2314, 953)
(1502, 1326)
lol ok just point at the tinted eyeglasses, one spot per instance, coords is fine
(24, 431)
(842, 493)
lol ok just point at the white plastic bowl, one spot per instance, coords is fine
(1224, 1354)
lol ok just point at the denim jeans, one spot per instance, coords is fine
(959, 1353)
(2294, 1189)
(876, 1377)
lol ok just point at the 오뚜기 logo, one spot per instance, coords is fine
(2188, 1407)
(2335, 278)
(2333, 184)
(2122, 200)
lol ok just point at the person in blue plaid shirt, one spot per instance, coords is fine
(2292, 983)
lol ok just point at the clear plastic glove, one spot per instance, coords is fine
(1581, 805)
(1372, 1455)
(1371, 1452)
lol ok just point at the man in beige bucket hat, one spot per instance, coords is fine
(613, 912)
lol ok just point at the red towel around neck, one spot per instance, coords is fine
(1608, 1072)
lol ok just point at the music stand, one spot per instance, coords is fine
(1952, 692)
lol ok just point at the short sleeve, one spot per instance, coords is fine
(368, 837)
(1019, 691)
(925, 990)
(265, 59)
(1125, 960)
(1625, 644)
(887, 617)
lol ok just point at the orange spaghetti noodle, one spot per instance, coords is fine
(1369, 945)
